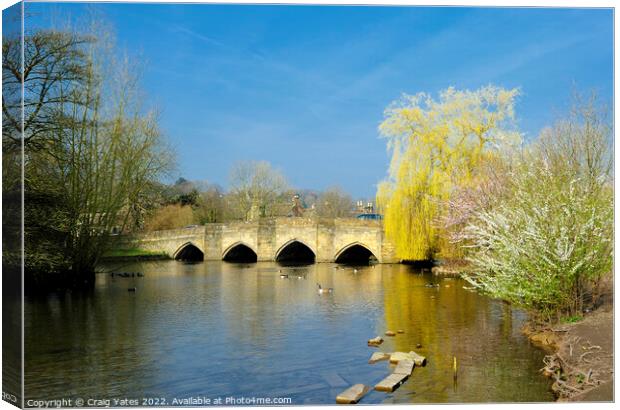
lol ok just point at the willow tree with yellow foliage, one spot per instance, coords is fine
(436, 146)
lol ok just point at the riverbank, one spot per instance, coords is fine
(580, 359)
(133, 254)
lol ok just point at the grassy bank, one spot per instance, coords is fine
(134, 253)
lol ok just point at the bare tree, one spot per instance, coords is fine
(53, 61)
(257, 190)
(55, 65)
(211, 205)
(90, 147)
(334, 203)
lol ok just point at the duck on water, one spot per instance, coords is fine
(322, 290)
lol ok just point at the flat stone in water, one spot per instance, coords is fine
(378, 356)
(353, 394)
(405, 367)
(375, 341)
(392, 382)
(418, 359)
(334, 379)
(398, 356)
(305, 389)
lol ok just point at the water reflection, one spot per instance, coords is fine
(228, 329)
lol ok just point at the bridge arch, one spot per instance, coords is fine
(240, 252)
(355, 253)
(295, 251)
(189, 252)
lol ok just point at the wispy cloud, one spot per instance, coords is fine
(206, 39)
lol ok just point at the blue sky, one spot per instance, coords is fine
(304, 87)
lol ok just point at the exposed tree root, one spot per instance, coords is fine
(568, 380)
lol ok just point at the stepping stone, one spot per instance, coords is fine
(352, 395)
(400, 331)
(405, 367)
(391, 383)
(305, 389)
(398, 356)
(378, 356)
(334, 379)
(376, 341)
(418, 359)
(390, 333)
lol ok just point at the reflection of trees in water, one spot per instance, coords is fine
(97, 342)
(87, 332)
(11, 341)
(449, 321)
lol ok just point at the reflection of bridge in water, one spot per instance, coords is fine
(274, 239)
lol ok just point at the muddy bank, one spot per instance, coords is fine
(580, 358)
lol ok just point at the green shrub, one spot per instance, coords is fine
(549, 236)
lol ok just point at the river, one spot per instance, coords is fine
(218, 329)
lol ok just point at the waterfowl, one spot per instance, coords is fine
(132, 289)
(284, 276)
(322, 290)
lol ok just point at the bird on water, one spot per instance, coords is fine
(323, 290)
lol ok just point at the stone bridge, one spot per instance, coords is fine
(343, 240)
